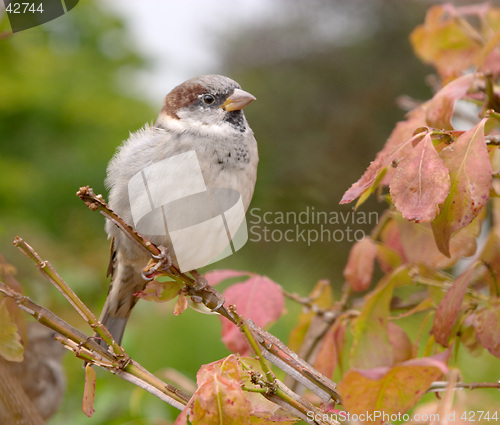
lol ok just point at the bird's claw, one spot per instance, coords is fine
(162, 264)
(145, 276)
(202, 292)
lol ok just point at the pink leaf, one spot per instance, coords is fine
(330, 350)
(421, 183)
(220, 398)
(216, 276)
(441, 107)
(487, 326)
(396, 147)
(359, 268)
(449, 308)
(89, 390)
(471, 180)
(259, 299)
(390, 253)
(420, 246)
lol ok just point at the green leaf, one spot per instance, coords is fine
(487, 327)
(371, 347)
(159, 291)
(10, 341)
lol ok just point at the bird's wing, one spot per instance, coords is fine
(112, 259)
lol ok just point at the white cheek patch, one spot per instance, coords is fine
(206, 122)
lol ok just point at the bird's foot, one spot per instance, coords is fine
(202, 292)
(158, 264)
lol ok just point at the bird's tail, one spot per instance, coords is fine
(126, 281)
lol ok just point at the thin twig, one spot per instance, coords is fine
(97, 203)
(442, 385)
(253, 344)
(288, 361)
(272, 348)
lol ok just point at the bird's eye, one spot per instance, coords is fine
(208, 99)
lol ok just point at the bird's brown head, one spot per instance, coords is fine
(208, 98)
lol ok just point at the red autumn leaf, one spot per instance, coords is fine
(487, 326)
(442, 42)
(389, 390)
(180, 305)
(449, 308)
(488, 59)
(359, 268)
(420, 247)
(396, 147)
(404, 131)
(390, 253)
(220, 399)
(228, 367)
(216, 276)
(367, 180)
(89, 390)
(471, 181)
(331, 348)
(371, 347)
(259, 299)
(421, 183)
(441, 107)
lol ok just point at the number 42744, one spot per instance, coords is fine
(23, 8)
(479, 415)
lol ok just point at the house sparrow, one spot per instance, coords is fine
(202, 115)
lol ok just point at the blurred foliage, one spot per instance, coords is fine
(63, 111)
(326, 75)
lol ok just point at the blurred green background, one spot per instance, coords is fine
(326, 75)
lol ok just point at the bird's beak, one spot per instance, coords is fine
(238, 100)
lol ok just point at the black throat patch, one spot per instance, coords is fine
(236, 119)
